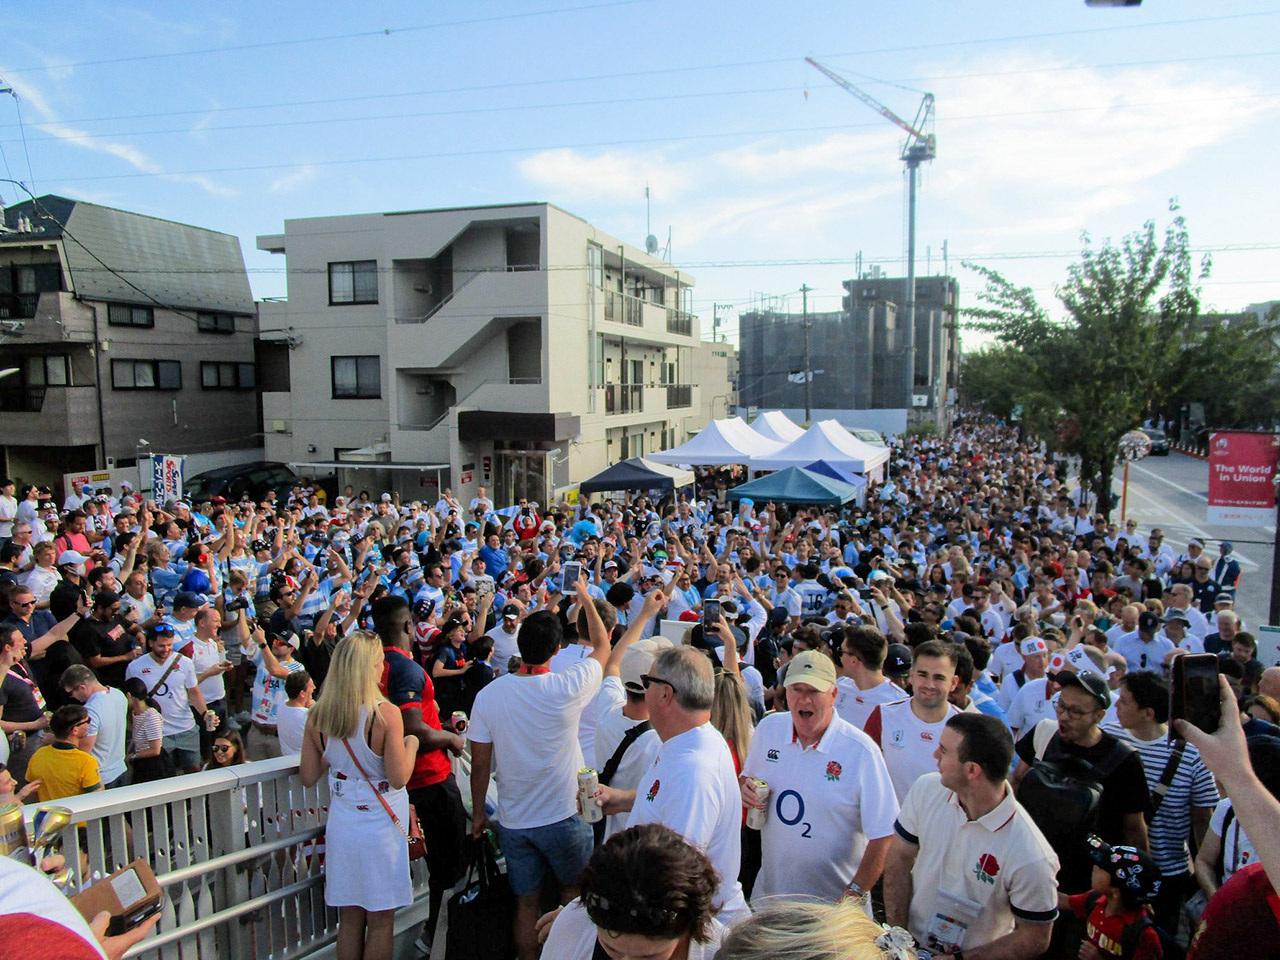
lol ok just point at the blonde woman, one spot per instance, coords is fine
(357, 737)
(799, 930)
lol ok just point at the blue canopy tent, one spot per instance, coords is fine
(796, 485)
(840, 473)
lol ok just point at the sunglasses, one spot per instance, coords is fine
(223, 748)
(648, 680)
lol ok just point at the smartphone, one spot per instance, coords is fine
(710, 615)
(123, 923)
(572, 572)
(1193, 692)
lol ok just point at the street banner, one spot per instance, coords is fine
(1242, 466)
(166, 477)
(1269, 646)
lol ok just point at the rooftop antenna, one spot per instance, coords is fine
(650, 241)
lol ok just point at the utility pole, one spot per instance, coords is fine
(808, 372)
(913, 167)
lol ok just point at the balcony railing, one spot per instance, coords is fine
(18, 306)
(239, 853)
(679, 395)
(621, 308)
(623, 398)
(679, 322)
(22, 399)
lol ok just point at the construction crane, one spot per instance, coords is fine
(919, 146)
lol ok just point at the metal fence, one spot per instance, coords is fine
(238, 852)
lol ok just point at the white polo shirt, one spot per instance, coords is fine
(611, 726)
(171, 695)
(824, 804)
(854, 706)
(997, 868)
(907, 742)
(1031, 704)
(1004, 660)
(693, 789)
(204, 654)
(1143, 656)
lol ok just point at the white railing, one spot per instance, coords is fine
(239, 853)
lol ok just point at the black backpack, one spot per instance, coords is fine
(1063, 793)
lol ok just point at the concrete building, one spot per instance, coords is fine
(857, 356)
(119, 327)
(515, 347)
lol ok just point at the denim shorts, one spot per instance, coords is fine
(565, 847)
(184, 748)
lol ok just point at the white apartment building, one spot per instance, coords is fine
(514, 347)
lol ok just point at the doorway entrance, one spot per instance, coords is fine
(520, 474)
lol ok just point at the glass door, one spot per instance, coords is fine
(520, 474)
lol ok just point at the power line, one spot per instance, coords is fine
(360, 35)
(736, 134)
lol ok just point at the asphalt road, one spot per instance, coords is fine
(1172, 493)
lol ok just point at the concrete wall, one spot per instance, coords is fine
(886, 421)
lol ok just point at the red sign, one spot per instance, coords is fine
(1242, 468)
(465, 478)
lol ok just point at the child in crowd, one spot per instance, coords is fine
(1124, 881)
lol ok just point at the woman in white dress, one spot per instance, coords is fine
(645, 893)
(357, 737)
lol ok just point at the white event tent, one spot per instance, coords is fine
(720, 443)
(829, 441)
(776, 425)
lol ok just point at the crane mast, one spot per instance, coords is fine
(919, 147)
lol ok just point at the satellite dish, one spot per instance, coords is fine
(651, 244)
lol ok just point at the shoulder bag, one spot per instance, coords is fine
(417, 844)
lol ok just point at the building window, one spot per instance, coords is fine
(227, 376)
(215, 323)
(595, 265)
(127, 315)
(357, 378)
(146, 375)
(51, 371)
(355, 281)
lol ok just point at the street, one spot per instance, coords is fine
(1172, 493)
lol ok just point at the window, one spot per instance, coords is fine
(357, 377)
(355, 281)
(146, 375)
(126, 315)
(215, 323)
(51, 371)
(227, 376)
(595, 265)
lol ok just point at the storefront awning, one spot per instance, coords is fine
(364, 465)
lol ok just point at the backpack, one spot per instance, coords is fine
(1169, 947)
(1063, 793)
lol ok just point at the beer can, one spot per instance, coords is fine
(210, 721)
(459, 720)
(588, 784)
(13, 834)
(756, 818)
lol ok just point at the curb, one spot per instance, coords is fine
(1190, 454)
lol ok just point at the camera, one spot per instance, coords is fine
(237, 603)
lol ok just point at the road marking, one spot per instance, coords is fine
(1176, 486)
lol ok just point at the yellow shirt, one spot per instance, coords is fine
(63, 771)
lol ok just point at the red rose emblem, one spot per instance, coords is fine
(834, 770)
(653, 790)
(988, 864)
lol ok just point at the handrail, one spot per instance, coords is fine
(439, 306)
(506, 381)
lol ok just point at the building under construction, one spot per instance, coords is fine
(857, 356)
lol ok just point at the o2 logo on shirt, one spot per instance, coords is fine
(787, 796)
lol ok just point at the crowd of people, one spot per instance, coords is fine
(937, 721)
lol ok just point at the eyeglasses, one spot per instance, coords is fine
(647, 680)
(22, 603)
(222, 748)
(1075, 713)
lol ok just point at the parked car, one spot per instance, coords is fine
(1159, 441)
(873, 437)
(233, 482)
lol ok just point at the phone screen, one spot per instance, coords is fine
(710, 613)
(1193, 694)
(572, 573)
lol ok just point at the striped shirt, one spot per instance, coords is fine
(1192, 786)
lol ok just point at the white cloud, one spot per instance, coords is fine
(294, 180)
(131, 155)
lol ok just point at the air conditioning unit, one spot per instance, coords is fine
(279, 426)
(111, 463)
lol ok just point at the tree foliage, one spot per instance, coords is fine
(1130, 309)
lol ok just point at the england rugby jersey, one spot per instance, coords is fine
(907, 741)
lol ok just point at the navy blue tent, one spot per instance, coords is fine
(795, 485)
(637, 474)
(836, 473)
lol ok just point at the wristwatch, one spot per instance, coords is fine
(856, 890)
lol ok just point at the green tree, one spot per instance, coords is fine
(1089, 377)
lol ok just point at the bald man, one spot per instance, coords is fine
(1269, 682)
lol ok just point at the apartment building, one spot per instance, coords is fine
(118, 328)
(515, 347)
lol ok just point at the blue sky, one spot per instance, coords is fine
(1052, 118)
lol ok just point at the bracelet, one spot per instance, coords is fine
(856, 890)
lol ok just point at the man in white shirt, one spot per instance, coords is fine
(968, 867)
(505, 635)
(8, 510)
(830, 810)
(210, 660)
(108, 710)
(1144, 650)
(908, 730)
(524, 726)
(1181, 597)
(291, 720)
(1176, 630)
(862, 685)
(566, 657)
(170, 679)
(691, 786)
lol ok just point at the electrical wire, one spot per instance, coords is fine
(21, 126)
